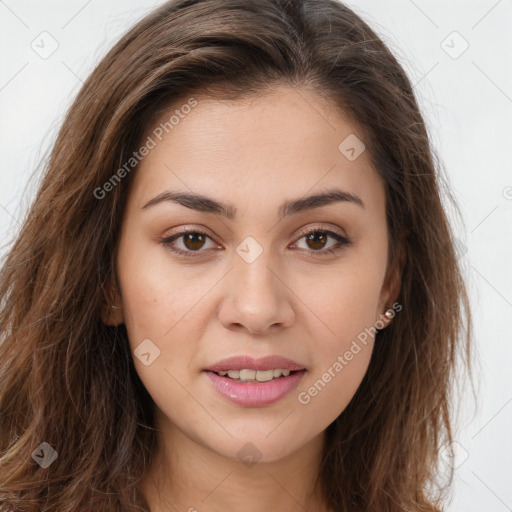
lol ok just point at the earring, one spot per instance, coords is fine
(115, 307)
(389, 313)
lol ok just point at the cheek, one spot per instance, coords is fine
(341, 361)
(344, 300)
(161, 306)
(164, 310)
(345, 306)
(331, 387)
(157, 299)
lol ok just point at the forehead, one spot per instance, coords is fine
(287, 140)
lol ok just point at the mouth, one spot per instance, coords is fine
(246, 388)
(252, 382)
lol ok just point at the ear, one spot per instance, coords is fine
(391, 288)
(112, 312)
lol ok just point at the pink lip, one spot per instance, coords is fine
(255, 394)
(249, 363)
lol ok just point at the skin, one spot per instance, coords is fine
(253, 154)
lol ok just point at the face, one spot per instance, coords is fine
(253, 280)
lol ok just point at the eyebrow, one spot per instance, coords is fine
(206, 204)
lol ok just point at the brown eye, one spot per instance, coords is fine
(193, 241)
(188, 243)
(316, 240)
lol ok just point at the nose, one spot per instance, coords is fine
(256, 297)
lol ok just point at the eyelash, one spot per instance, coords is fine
(342, 241)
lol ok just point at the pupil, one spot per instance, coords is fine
(317, 234)
(189, 239)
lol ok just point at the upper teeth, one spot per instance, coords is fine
(259, 375)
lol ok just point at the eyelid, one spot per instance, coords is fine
(304, 231)
(321, 227)
(193, 228)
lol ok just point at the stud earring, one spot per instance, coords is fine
(389, 313)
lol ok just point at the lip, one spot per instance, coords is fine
(255, 394)
(250, 363)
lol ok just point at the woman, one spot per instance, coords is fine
(236, 287)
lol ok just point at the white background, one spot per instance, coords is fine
(467, 102)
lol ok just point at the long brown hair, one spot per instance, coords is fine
(68, 380)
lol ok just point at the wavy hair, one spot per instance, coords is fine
(69, 380)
